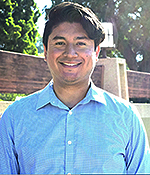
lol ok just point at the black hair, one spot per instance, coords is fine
(73, 12)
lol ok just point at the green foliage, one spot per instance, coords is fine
(10, 96)
(39, 45)
(131, 25)
(18, 26)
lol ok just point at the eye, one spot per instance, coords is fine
(81, 44)
(60, 43)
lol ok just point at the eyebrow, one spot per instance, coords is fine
(63, 38)
(59, 37)
(82, 37)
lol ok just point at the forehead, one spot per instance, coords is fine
(70, 30)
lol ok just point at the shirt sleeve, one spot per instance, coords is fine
(8, 156)
(137, 152)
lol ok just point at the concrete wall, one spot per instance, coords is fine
(115, 76)
(3, 106)
(144, 110)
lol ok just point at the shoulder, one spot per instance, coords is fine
(26, 105)
(118, 110)
(27, 102)
(116, 106)
(110, 100)
(30, 102)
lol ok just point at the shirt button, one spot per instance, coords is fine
(69, 142)
(70, 112)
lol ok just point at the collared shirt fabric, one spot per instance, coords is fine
(101, 134)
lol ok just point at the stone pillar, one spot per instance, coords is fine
(115, 76)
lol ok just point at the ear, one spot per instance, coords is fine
(45, 53)
(98, 49)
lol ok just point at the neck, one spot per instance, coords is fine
(71, 95)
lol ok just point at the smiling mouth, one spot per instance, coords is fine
(70, 64)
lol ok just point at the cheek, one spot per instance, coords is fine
(53, 53)
(91, 59)
(89, 52)
(90, 63)
(52, 56)
(90, 56)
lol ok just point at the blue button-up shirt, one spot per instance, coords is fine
(101, 134)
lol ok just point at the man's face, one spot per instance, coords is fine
(70, 54)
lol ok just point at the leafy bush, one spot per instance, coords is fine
(10, 96)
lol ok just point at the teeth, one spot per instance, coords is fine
(68, 64)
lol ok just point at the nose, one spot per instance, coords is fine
(70, 51)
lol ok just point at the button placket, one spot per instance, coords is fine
(69, 143)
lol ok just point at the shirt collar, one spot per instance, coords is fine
(47, 96)
(95, 94)
(44, 97)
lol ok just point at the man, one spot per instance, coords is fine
(71, 126)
